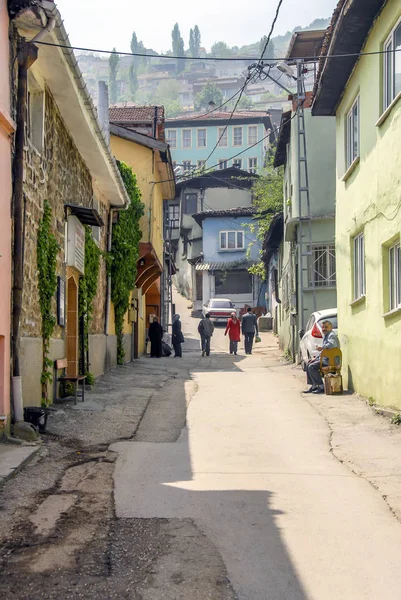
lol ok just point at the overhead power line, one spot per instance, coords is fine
(218, 58)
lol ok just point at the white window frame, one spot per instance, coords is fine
(223, 235)
(353, 149)
(237, 160)
(236, 127)
(186, 166)
(250, 168)
(223, 142)
(175, 138)
(223, 163)
(394, 276)
(184, 131)
(174, 216)
(250, 140)
(390, 59)
(198, 145)
(322, 266)
(358, 262)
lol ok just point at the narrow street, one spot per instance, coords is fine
(220, 483)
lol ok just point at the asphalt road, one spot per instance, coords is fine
(252, 469)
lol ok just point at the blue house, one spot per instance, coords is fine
(229, 249)
(192, 138)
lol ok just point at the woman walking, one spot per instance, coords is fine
(155, 334)
(234, 332)
(177, 338)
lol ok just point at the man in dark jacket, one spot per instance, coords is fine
(177, 338)
(205, 329)
(249, 328)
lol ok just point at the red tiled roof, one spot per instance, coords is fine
(220, 115)
(130, 113)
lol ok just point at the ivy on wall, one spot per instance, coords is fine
(47, 249)
(124, 254)
(88, 283)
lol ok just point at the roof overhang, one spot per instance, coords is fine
(280, 155)
(59, 69)
(87, 216)
(352, 20)
(306, 44)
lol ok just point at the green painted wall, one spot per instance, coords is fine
(369, 199)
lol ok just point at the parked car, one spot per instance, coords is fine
(312, 336)
(220, 309)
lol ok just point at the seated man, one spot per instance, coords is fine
(330, 340)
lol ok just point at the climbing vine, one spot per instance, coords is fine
(47, 249)
(124, 254)
(88, 284)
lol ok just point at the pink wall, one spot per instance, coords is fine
(6, 131)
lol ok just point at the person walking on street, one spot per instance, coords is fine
(314, 378)
(155, 335)
(249, 328)
(177, 338)
(205, 329)
(234, 332)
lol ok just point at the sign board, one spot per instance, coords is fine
(76, 244)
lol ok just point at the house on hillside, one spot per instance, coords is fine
(216, 190)
(363, 93)
(63, 169)
(230, 246)
(151, 161)
(306, 258)
(192, 138)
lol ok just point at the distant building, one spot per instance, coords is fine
(192, 138)
(148, 120)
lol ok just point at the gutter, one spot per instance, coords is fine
(53, 13)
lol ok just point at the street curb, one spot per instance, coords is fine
(385, 412)
(23, 463)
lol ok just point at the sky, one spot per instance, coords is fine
(103, 24)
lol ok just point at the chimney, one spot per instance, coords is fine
(103, 108)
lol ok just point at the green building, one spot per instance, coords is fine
(363, 91)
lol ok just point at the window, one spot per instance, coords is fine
(394, 254)
(231, 240)
(359, 266)
(322, 268)
(252, 165)
(186, 138)
(35, 114)
(186, 165)
(233, 282)
(201, 164)
(220, 304)
(237, 136)
(222, 133)
(223, 163)
(353, 133)
(174, 216)
(202, 138)
(190, 204)
(392, 66)
(237, 163)
(172, 138)
(252, 134)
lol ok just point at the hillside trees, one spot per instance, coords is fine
(209, 93)
(178, 46)
(113, 71)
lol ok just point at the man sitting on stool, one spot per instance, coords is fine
(330, 340)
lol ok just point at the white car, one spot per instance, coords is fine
(313, 336)
(220, 309)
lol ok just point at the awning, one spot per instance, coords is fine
(87, 216)
(223, 266)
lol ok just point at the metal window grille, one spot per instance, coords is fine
(322, 267)
(174, 216)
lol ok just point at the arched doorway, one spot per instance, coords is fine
(72, 327)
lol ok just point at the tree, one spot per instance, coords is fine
(267, 192)
(220, 49)
(191, 42)
(194, 41)
(133, 81)
(167, 95)
(209, 93)
(269, 52)
(113, 70)
(178, 46)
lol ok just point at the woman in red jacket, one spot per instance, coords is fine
(234, 332)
